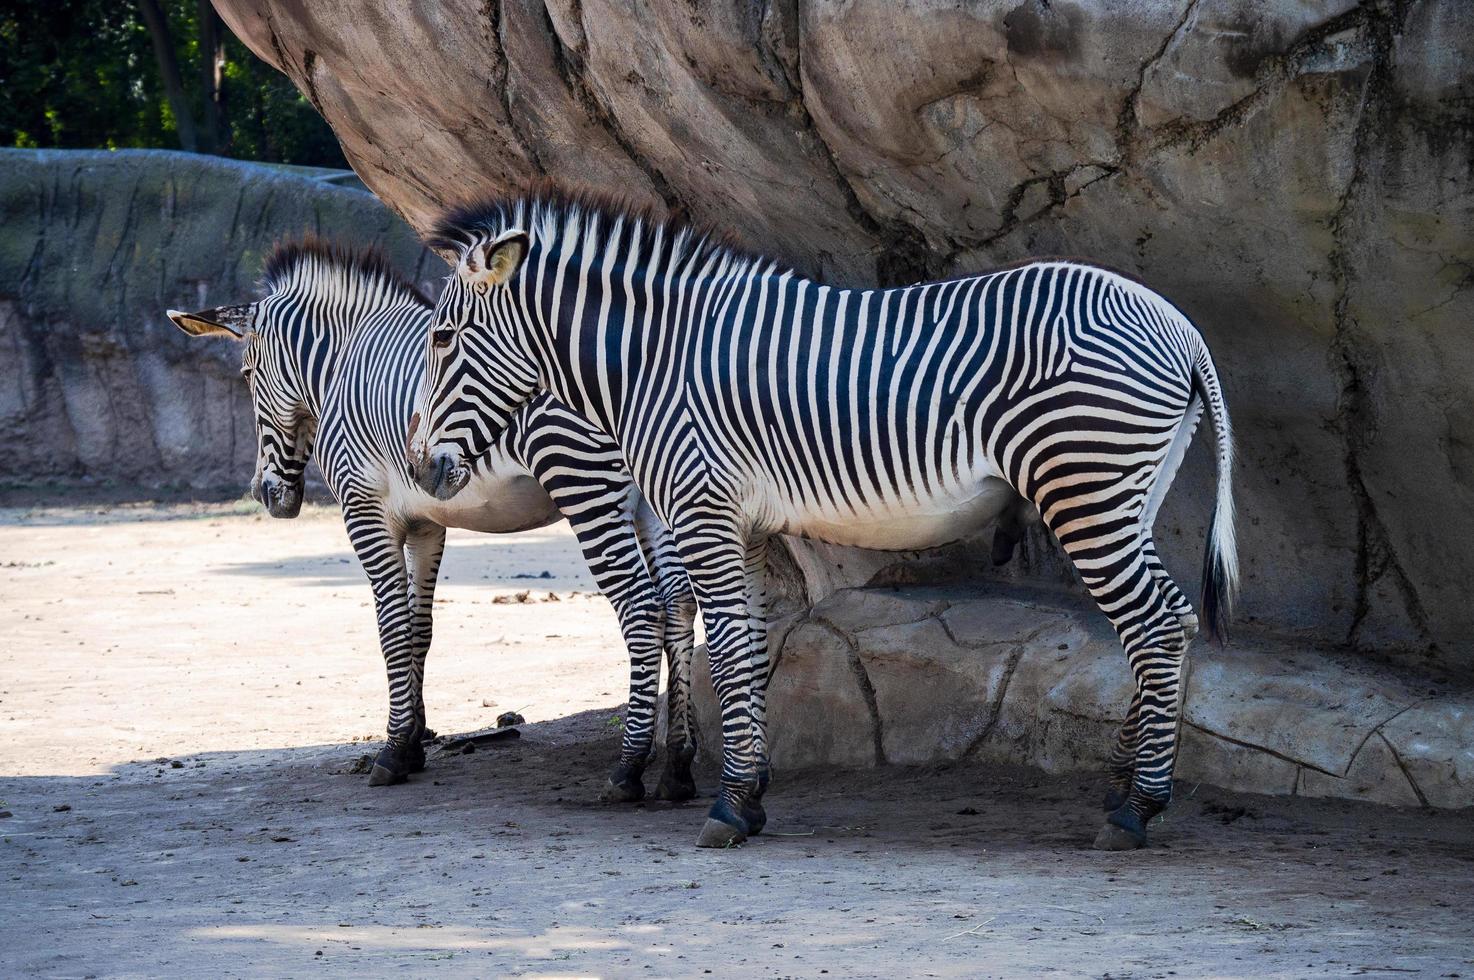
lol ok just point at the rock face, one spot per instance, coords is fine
(1023, 676)
(1297, 177)
(95, 383)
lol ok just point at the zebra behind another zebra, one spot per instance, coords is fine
(333, 357)
(751, 401)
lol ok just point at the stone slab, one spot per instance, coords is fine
(1032, 677)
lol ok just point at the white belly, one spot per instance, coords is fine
(907, 524)
(502, 499)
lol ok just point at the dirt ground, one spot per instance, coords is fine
(184, 691)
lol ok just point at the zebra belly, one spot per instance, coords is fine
(501, 499)
(909, 524)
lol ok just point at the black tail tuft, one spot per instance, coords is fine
(1216, 596)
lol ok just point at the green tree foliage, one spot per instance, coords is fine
(88, 73)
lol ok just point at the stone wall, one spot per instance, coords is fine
(1036, 677)
(1296, 176)
(96, 385)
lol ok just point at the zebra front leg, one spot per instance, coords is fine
(714, 556)
(424, 547)
(588, 482)
(641, 620)
(380, 552)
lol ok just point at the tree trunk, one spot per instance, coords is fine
(163, 40)
(215, 124)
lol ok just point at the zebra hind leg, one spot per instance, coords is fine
(1119, 575)
(679, 604)
(1176, 600)
(1121, 766)
(676, 782)
(755, 570)
(1156, 645)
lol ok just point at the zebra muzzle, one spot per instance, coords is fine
(439, 476)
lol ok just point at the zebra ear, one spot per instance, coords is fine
(494, 263)
(222, 321)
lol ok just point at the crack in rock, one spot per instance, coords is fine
(1376, 556)
(1270, 78)
(1260, 748)
(572, 68)
(1397, 757)
(501, 71)
(1127, 123)
(862, 678)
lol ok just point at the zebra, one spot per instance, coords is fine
(333, 355)
(750, 400)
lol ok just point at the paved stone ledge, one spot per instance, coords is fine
(875, 676)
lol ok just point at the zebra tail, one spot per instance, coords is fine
(1220, 557)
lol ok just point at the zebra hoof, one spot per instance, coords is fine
(755, 816)
(675, 787)
(1114, 838)
(628, 790)
(1124, 830)
(393, 767)
(719, 834)
(724, 827)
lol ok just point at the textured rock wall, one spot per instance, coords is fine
(95, 383)
(1023, 676)
(1296, 176)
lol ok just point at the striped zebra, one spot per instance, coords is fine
(751, 401)
(333, 356)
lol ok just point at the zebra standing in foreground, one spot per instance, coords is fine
(334, 356)
(750, 401)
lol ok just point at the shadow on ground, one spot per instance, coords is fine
(278, 861)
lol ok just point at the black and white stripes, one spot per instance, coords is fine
(750, 401)
(334, 355)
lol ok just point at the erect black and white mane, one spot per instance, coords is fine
(582, 219)
(359, 277)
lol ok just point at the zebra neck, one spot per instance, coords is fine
(606, 351)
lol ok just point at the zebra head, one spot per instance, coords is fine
(285, 429)
(477, 370)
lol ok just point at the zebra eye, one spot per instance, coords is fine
(442, 336)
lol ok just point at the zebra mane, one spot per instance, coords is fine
(554, 211)
(311, 263)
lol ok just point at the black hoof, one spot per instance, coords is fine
(719, 834)
(1113, 838)
(628, 790)
(675, 787)
(756, 817)
(723, 828)
(393, 766)
(1123, 831)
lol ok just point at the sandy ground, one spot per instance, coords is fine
(185, 689)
